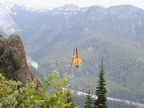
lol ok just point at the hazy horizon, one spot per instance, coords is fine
(80, 3)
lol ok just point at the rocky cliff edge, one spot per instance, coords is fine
(13, 64)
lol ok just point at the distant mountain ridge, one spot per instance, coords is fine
(116, 33)
(9, 5)
(67, 11)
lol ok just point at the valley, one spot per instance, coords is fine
(114, 33)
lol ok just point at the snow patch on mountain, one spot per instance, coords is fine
(31, 7)
(32, 62)
(67, 9)
(6, 22)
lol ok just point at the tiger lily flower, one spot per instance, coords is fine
(77, 61)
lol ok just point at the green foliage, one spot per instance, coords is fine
(101, 101)
(8, 92)
(88, 102)
(29, 97)
(70, 100)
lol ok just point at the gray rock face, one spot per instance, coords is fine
(13, 64)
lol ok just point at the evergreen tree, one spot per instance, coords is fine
(101, 101)
(88, 102)
(70, 100)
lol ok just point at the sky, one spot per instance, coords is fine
(80, 3)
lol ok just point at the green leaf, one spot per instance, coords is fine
(36, 98)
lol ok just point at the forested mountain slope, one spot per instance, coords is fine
(116, 33)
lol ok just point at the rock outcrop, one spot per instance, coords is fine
(13, 64)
